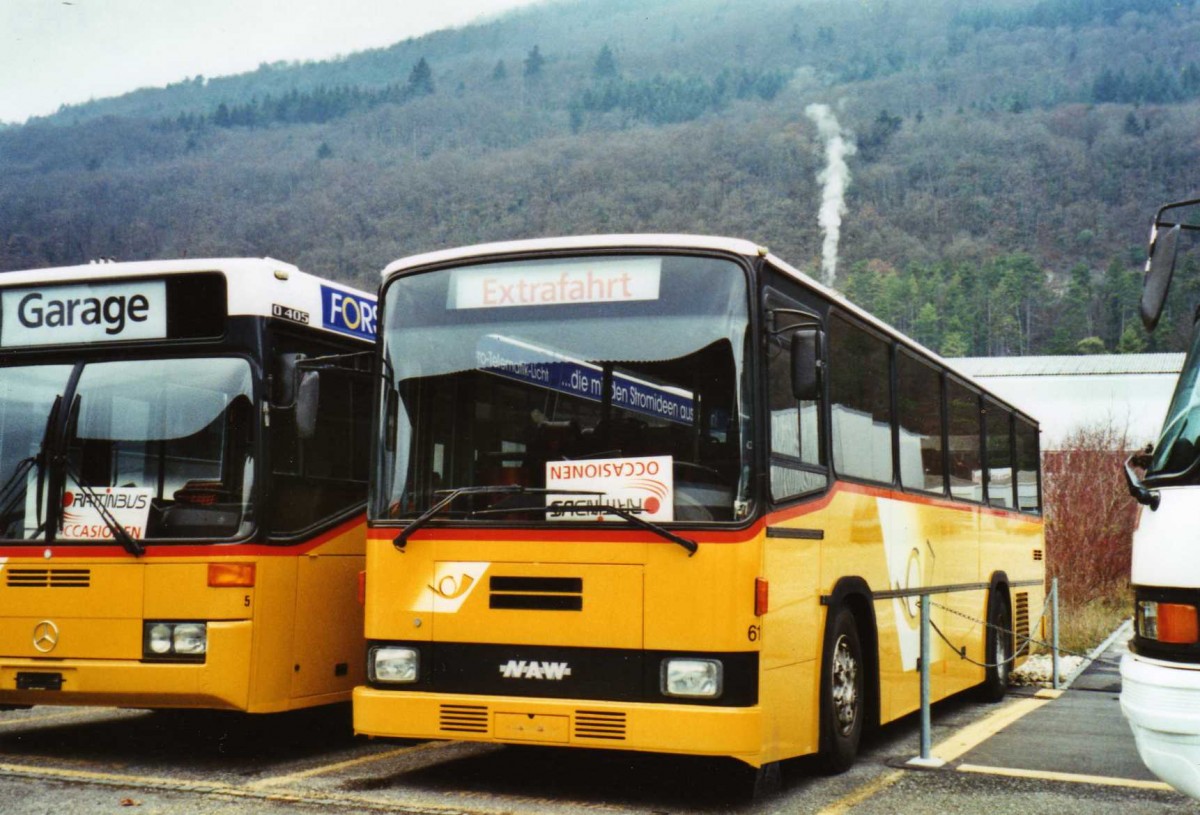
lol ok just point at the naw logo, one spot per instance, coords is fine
(522, 669)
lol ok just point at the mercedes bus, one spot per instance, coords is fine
(183, 478)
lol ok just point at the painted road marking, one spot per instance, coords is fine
(342, 765)
(948, 749)
(1075, 778)
(861, 794)
(978, 732)
(64, 774)
(356, 802)
(75, 714)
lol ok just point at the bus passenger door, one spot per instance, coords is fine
(318, 488)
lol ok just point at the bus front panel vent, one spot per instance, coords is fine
(600, 724)
(463, 719)
(48, 578)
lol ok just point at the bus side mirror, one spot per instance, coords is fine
(308, 396)
(284, 381)
(1159, 268)
(806, 364)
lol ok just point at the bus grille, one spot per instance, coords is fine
(1037, 554)
(463, 719)
(536, 593)
(598, 724)
(1021, 618)
(49, 578)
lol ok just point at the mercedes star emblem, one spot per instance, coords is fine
(45, 636)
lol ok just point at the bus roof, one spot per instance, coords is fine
(736, 246)
(262, 287)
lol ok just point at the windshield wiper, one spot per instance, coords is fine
(120, 535)
(401, 540)
(421, 520)
(686, 543)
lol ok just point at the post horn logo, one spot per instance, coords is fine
(45, 636)
(451, 588)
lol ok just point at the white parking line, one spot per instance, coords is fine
(342, 765)
(1074, 778)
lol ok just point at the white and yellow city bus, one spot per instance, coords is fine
(183, 474)
(667, 493)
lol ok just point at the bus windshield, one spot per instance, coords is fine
(1178, 447)
(165, 446)
(607, 381)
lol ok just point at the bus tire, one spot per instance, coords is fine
(998, 651)
(843, 694)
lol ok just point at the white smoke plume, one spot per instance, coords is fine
(834, 178)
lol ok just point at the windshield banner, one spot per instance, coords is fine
(128, 506)
(547, 369)
(97, 312)
(555, 284)
(643, 486)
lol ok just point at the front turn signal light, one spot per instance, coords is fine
(231, 574)
(1168, 622)
(761, 596)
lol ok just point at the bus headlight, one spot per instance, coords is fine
(165, 640)
(1167, 622)
(158, 639)
(393, 664)
(692, 678)
(190, 638)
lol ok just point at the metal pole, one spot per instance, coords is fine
(926, 739)
(1054, 631)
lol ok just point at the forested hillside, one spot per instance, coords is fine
(1009, 153)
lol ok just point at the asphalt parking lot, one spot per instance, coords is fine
(1036, 751)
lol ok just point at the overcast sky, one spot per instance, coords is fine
(55, 52)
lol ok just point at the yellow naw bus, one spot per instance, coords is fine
(183, 468)
(667, 493)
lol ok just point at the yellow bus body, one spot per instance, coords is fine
(641, 593)
(293, 639)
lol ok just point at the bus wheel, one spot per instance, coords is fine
(843, 705)
(998, 652)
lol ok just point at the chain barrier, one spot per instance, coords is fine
(1027, 640)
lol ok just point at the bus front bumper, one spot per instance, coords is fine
(648, 727)
(222, 681)
(1161, 701)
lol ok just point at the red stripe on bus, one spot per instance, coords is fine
(625, 535)
(166, 550)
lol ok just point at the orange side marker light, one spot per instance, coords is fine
(222, 575)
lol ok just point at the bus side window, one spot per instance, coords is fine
(998, 423)
(860, 395)
(324, 476)
(922, 459)
(797, 461)
(1029, 497)
(966, 459)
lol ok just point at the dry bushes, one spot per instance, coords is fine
(1090, 517)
